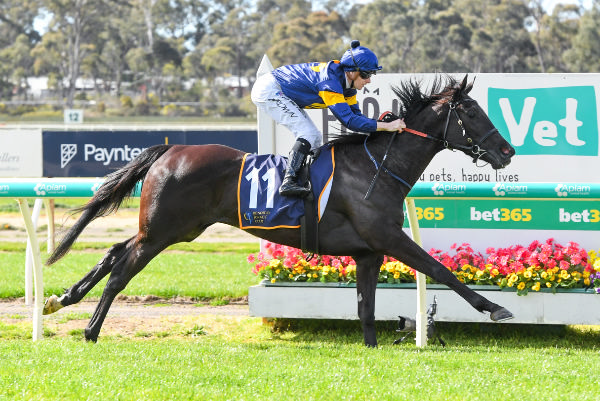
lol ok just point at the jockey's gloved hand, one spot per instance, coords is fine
(387, 116)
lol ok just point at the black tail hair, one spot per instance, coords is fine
(118, 187)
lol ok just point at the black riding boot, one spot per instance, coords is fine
(290, 186)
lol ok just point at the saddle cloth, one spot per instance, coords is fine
(259, 202)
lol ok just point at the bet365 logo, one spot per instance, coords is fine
(547, 121)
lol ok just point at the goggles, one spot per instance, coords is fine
(366, 74)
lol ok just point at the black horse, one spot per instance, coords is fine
(366, 229)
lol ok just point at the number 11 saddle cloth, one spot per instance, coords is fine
(259, 202)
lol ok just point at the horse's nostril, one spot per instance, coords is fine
(507, 151)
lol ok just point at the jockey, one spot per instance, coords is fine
(289, 89)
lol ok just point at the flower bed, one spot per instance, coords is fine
(540, 266)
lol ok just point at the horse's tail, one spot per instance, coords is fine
(117, 187)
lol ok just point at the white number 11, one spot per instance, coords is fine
(269, 177)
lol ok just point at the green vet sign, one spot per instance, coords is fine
(547, 121)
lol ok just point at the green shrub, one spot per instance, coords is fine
(126, 101)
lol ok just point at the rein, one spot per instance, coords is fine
(475, 149)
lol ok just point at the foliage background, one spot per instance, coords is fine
(199, 57)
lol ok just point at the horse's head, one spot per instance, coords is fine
(473, 133)
(461, 124)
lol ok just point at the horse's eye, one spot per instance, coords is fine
(471, 112)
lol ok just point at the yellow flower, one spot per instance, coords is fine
(274, 262)
(494, 272)
(544, 275)
(521, 286)
(586, 281)
(564, 274)
(291, 276)
(479, 273)
(536, 286)
(273, 280)
(527, 274)
(396, 275)
(597, 265)
(315, 275)
(548, 284)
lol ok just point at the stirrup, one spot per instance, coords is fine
(293, 189)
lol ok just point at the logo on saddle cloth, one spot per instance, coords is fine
(259, 202)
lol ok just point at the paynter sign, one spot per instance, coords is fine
(547, 121)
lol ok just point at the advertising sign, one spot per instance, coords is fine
(20, 153)
(98, 153)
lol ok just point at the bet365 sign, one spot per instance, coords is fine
(547, 121)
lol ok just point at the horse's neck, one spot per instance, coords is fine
(410, 156)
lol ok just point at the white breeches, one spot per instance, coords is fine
(267, 95)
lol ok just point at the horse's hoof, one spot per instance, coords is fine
(501, 315)
(90, 337)
(51, 305)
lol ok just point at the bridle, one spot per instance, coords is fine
(475, 149)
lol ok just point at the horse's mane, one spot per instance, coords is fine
(412, 100)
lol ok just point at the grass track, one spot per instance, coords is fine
(200, 270)
(242, 359)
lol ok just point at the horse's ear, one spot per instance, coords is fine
(466, 87)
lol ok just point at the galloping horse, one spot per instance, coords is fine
(367, 229)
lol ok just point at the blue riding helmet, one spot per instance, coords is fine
(359, 58)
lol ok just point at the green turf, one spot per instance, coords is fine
(199, 270)
(243, 360)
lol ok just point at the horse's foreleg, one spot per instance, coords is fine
(133, 260)
(83, 286)
(367, 273)
(413, 255)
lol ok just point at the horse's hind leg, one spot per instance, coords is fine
(367, 274)
(83, 286)
(131, 262)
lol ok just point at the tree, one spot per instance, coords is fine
(392, 29)
(500, 42)
(316, 37)
(584, 56)
(73, 26)
(17, 37)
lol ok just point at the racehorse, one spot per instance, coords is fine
(364, 227)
